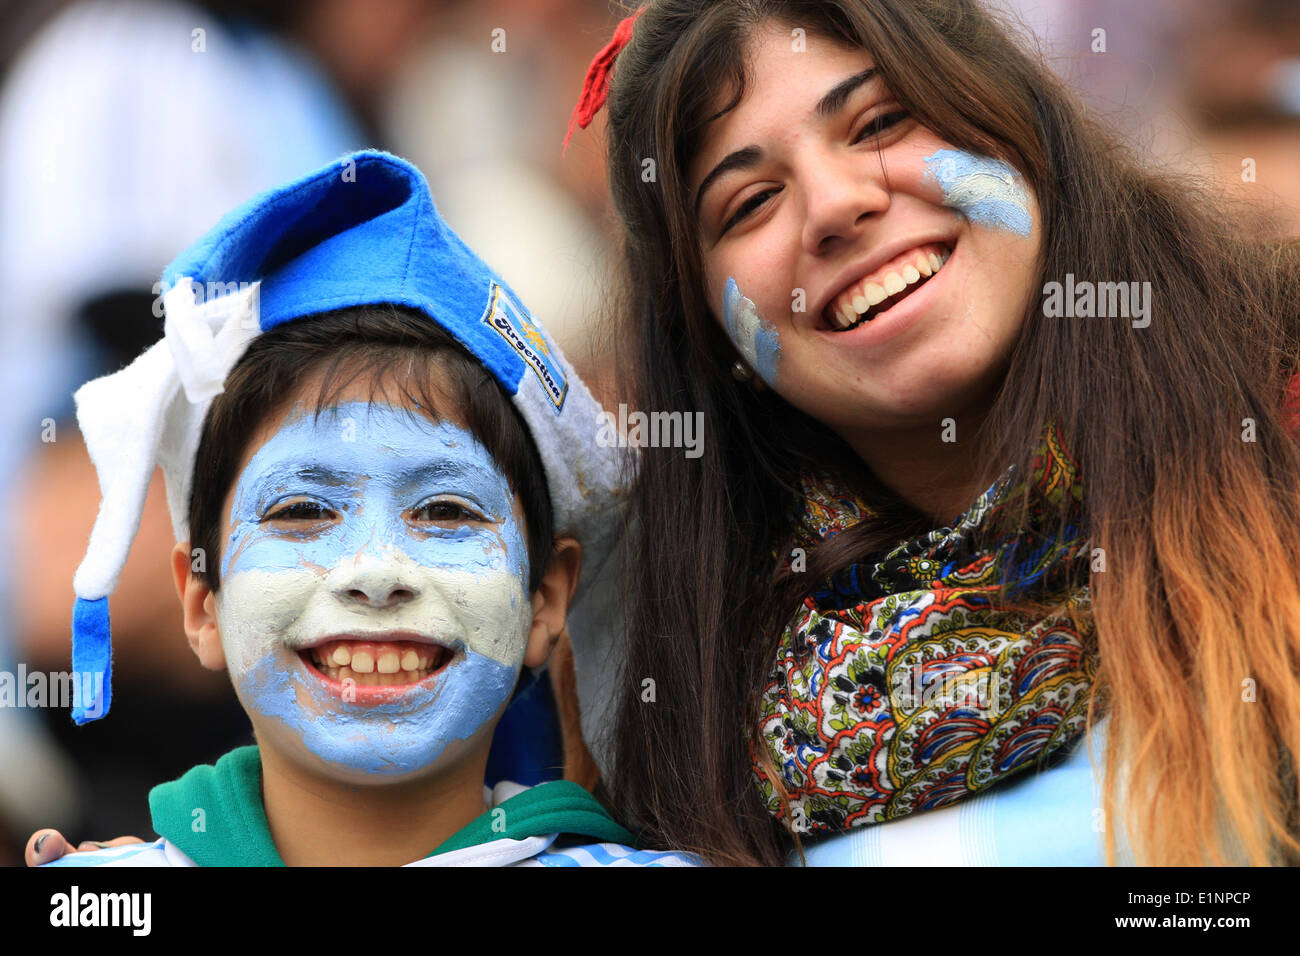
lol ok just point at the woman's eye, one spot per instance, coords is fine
(750, 205)
(299, 511)
(445, 511)
(881, 123)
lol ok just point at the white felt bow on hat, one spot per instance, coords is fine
(151, 414)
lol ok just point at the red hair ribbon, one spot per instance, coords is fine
(595, 88)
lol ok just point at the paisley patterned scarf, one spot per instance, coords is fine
(906, 683)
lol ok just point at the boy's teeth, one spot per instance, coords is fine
(875, 294)
(400, 679)
(910, 273)
(377, 663)
(923, 264)
(935, 262)
(894, 283)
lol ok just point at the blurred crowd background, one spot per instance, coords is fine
(128, 127)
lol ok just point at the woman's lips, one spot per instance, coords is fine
(896, 318)
(878, 291)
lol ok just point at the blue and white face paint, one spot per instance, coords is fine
(332, 536)
(758, 341)
(986, 191)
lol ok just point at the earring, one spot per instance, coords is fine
(741, 372)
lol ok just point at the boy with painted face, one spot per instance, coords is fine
(368, 445)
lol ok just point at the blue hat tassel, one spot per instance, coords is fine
(145, 416)
(92, 660)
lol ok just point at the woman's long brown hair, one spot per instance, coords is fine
(1191, 472)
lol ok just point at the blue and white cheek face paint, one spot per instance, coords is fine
(373, 560)
(986, 191)
(758, 341)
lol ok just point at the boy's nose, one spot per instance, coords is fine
(374, 582)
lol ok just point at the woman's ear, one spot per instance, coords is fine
(200, 608)
(551, 600)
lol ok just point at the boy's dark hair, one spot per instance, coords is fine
(383, 346)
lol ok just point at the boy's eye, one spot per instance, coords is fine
(750, 205)
(300, 511)
(443, 510)
(881, 123)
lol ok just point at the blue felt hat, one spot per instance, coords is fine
(362, 231)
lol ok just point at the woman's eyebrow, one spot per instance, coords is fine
(830, 104)
(745, 158)
(749, 157)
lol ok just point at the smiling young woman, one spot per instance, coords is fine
(839, 264)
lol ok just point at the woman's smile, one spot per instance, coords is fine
(897, 314)
(881, 288)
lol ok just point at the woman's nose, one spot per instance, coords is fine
(841, 195)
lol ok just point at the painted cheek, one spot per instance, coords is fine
(757, 340)
(259, 613)
(469, 549)
(988, 192)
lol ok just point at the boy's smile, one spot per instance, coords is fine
(376, 664)
(372, 605)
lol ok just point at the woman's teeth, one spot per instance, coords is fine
(378, 664)
(858, 303)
